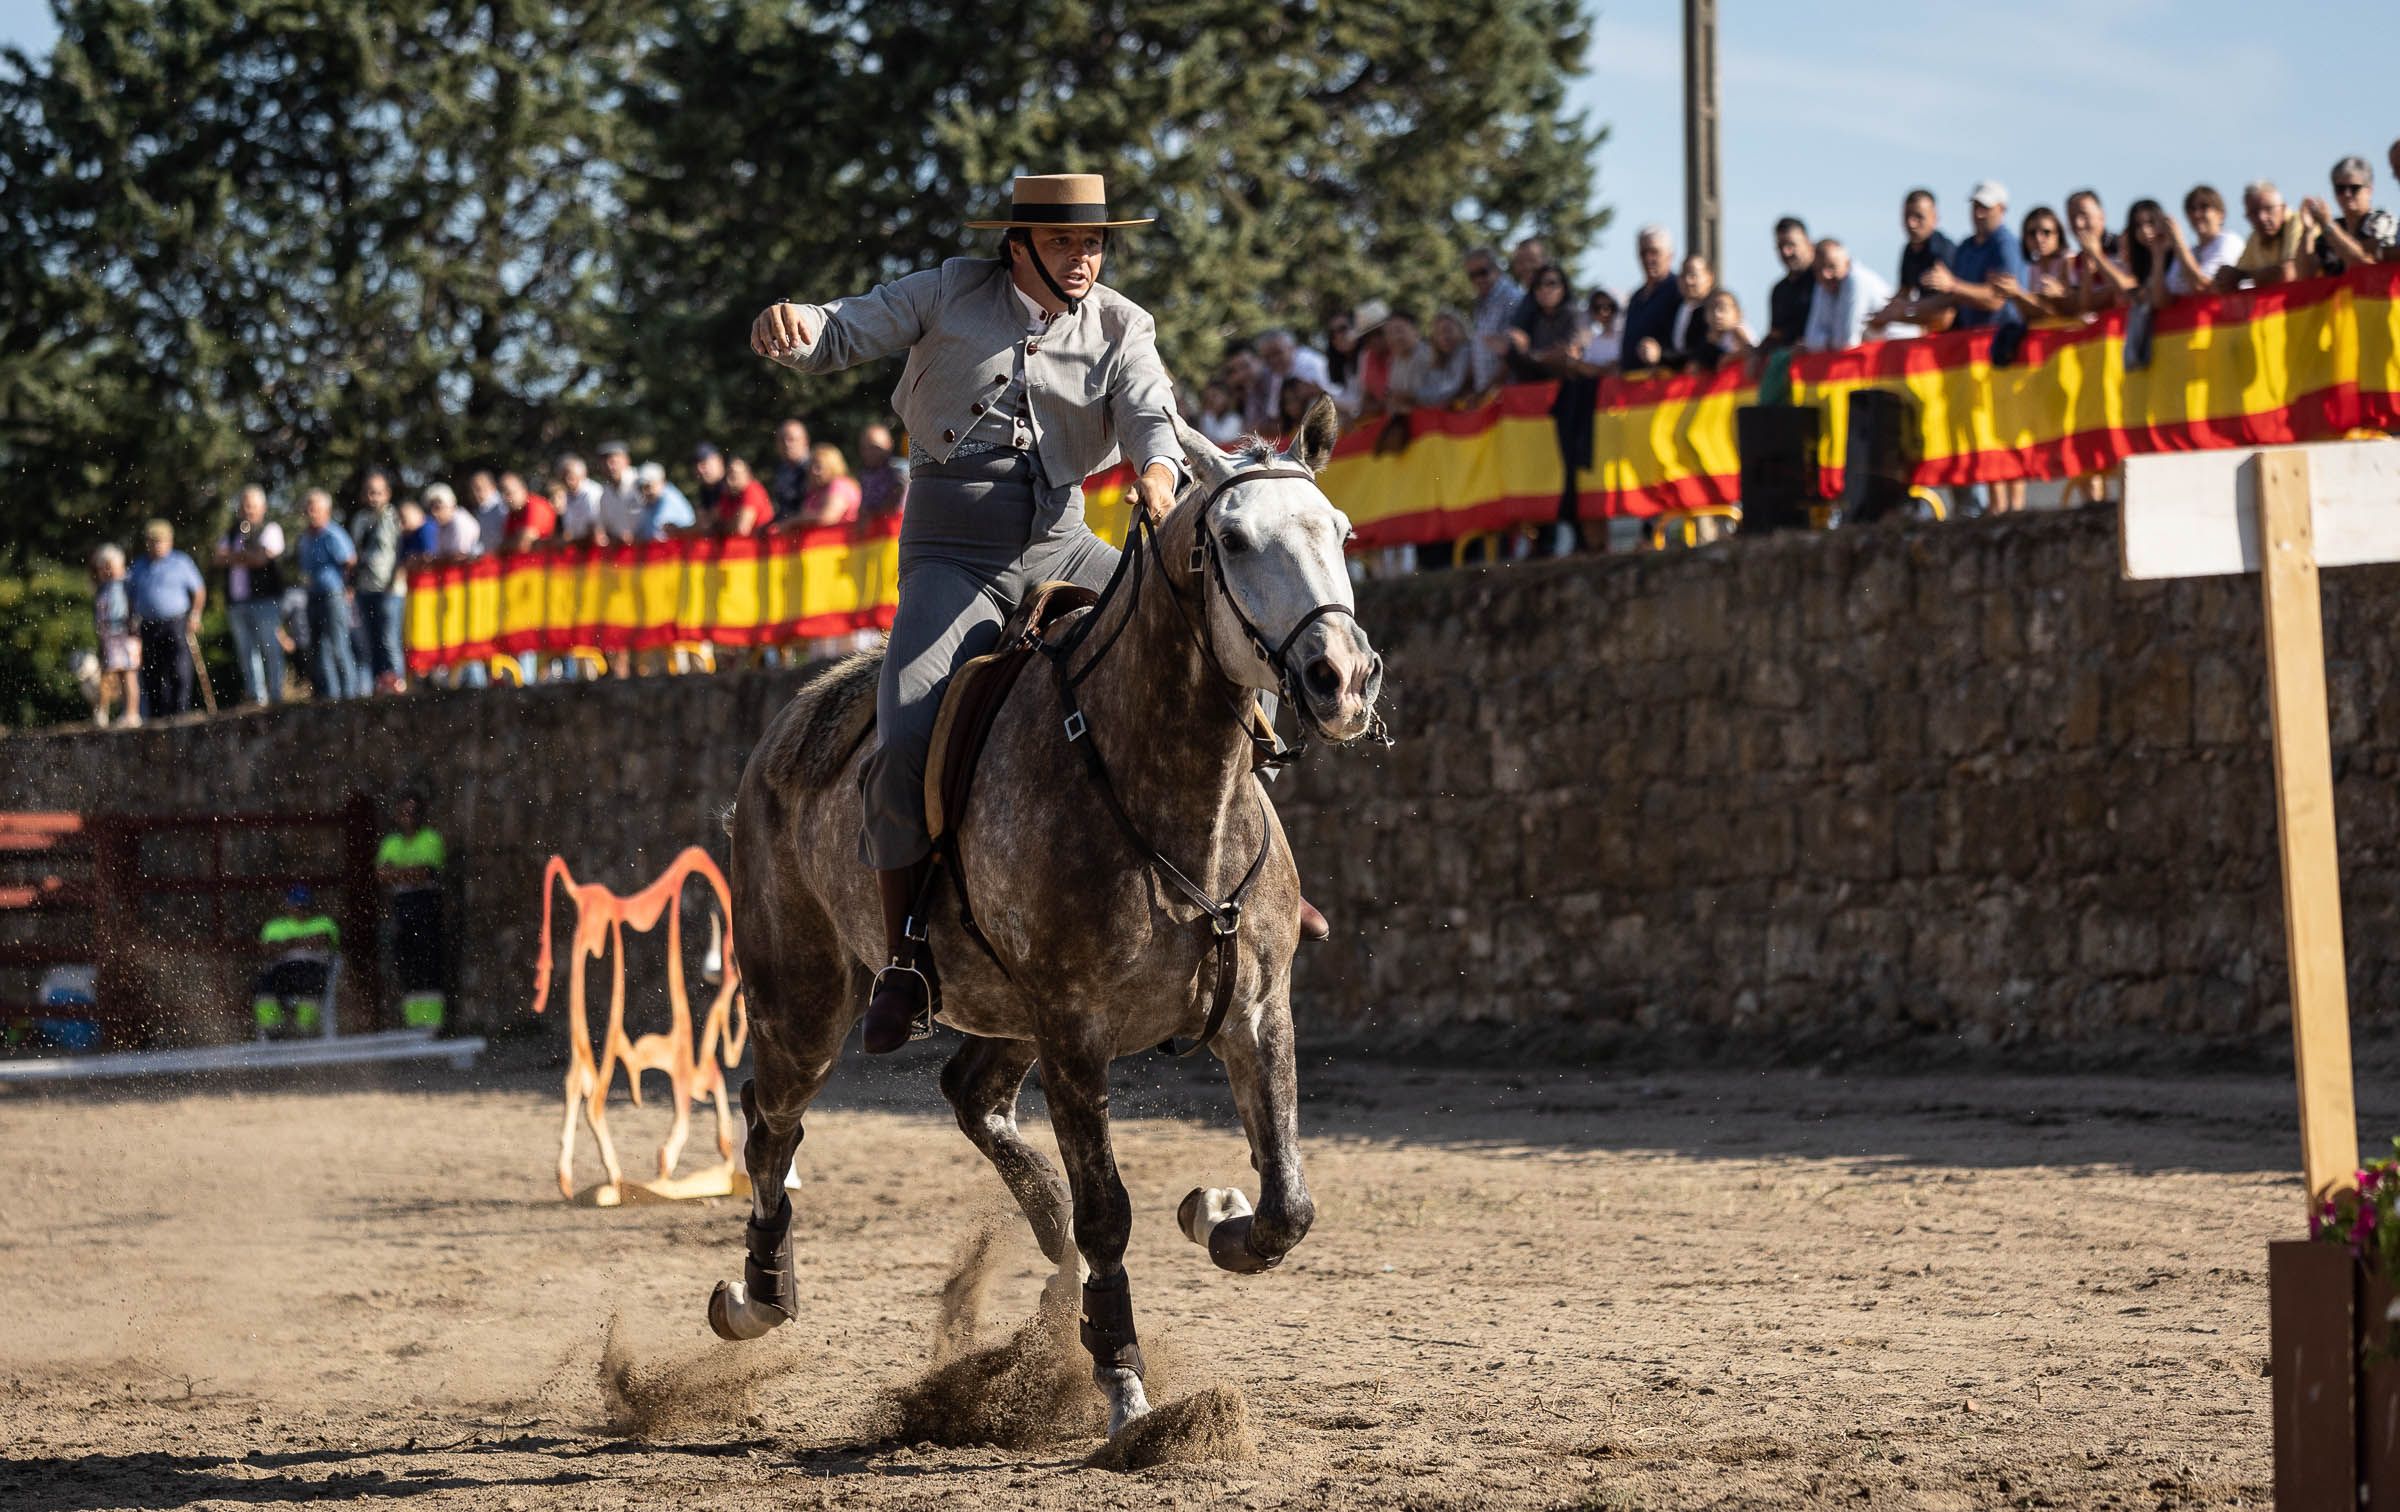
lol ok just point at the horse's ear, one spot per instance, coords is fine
(1313, 447)
(1207, 460)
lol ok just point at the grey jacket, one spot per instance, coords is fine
(1093, 379)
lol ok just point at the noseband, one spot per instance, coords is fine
(1208, 564)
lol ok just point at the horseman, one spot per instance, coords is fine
(1025, 374)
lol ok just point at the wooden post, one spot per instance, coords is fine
(2312, 877)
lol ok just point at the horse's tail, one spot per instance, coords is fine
(552, 872)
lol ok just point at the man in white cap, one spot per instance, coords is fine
(1966, 284)
(1025, 374)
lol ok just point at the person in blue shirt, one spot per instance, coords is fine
(664, 508)
(327, 557)
(1984, 270)
(168, 595)
(1966, 284)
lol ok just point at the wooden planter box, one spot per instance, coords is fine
(2337, 1416)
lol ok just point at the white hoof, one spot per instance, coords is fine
(732, 1315)
(1126, 1399)
(1207, 1207)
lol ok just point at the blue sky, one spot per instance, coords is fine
(1833, 110)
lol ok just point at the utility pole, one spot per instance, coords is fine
(1703, 211)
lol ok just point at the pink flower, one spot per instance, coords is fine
(2369, 1179)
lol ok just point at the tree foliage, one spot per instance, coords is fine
(1301, 157)
(252, 239)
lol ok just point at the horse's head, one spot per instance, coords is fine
(1280, 612)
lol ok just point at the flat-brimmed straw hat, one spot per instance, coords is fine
(1044, 200)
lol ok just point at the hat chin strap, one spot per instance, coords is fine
(1042, 269)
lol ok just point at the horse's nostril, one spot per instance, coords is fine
(1323, 678)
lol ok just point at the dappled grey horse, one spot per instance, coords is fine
(1128, 878)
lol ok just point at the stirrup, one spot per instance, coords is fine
(921, 1026)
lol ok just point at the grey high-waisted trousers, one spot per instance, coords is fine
(978, 534)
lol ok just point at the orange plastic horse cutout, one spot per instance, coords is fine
(695, 1068)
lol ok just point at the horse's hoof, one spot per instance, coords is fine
(1126, 1399)
(1207, 1207)
(734, 1317)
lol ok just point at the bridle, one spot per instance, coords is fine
(1143, 553)
(1208, 564)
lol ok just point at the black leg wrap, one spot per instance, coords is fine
(768, 1271)
(1108, 1324)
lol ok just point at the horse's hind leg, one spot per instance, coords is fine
(797, 1036)
(1075, 1079)
(982, 1081)
(1257, 1053)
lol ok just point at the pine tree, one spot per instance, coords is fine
(252, 240)
(1302, 157)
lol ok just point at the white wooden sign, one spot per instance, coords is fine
(2282, 514)
(2195, 514)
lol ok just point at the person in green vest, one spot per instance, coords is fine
(290, 994)
(409, 864)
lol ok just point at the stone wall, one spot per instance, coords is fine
(1946, 786)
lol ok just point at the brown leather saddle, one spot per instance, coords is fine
(976, 692)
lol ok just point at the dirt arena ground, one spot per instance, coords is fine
(1534, 1290)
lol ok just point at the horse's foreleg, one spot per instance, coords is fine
(762, 1299)
(982, 1081)
(1258, 1061)
(1075, 1080)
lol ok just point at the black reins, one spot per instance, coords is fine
(1142, 552)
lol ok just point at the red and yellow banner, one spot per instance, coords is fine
(2305, 361)
(747, 591)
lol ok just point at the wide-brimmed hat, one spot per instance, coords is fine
(1369, 316)
(1044, 200)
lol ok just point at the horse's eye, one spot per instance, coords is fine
(1235, 541)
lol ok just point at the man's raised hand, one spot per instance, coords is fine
(779, 332)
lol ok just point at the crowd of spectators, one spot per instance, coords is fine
(1522, 320)
(332, 597)
(327, 598)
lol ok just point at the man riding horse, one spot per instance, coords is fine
(1025, 374)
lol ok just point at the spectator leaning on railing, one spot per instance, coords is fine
(2096, 276)
(531, 520)
(580, 513)
(1846, 295)
(456, 534)
(665, 511)
(882, 477)
(1691, 341)
(1650, 310)
(1604, 346)
(491, 510)
(1788, 302)
(1912, 311)
(2191, 265)
(788, 484)
(2277, 251)
(2043, 291)
(1965, 284)
(620, 491)
(1494, 306)
(2352, 233)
